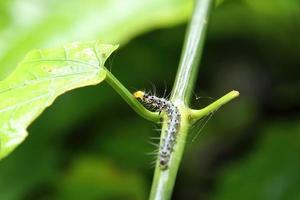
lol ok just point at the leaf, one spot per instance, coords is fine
(40, 24)
(42, 76)
(26, 25)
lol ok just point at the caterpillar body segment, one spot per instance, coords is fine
(173, 124)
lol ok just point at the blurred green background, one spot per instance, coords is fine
(91, 145)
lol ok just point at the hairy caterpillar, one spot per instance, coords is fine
(173, 124)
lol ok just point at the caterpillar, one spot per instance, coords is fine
(173, 124)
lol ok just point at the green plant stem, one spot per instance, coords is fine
(198, 114)
(164, 180)
(191, 53)
(128, 97)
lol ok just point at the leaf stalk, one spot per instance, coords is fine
(128, 97)
(198, 114)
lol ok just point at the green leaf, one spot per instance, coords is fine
(42, 76)
(47, 23)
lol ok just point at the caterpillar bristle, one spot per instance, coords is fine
(154, 138)
(155, 153)
(154, 144)
(173, 124)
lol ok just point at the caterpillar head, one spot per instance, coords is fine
(139, 95)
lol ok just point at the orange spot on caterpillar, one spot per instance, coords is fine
(139, 95)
